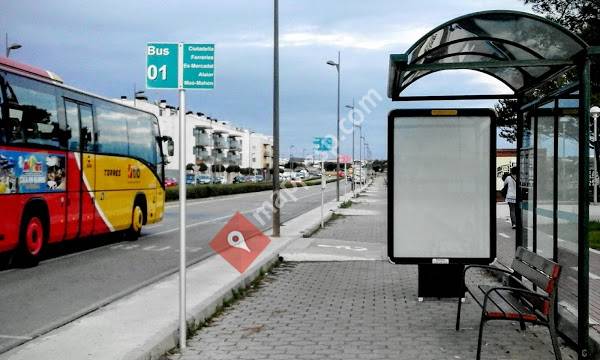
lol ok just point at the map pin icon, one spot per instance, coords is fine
(236, 240)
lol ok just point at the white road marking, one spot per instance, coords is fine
(504, 235)
(131, 247)
(2, 336)
(573, 310)
(597, 252)
(191, 249)
(149, 247)
(344, 247)
(592, 275)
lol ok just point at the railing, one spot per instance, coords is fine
(218, 157)
(202, 154)
(220, 142)
(202, 138)
(234, 144)
(234, 159)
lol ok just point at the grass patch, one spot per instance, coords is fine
(346, 204)
(193, 327)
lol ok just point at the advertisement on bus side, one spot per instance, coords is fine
(29, 172)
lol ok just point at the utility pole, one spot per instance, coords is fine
(276, 213)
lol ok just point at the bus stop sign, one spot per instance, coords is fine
(162, 71)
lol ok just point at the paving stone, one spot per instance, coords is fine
(357, 310)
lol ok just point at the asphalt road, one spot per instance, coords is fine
(79, 277)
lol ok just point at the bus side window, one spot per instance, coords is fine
(32, 112)
(72, 125)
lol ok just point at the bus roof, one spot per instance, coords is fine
(49, 76)
(30, 69)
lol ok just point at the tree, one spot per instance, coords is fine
(246, 171)
(217, 168)
(330, 166)
(579, 16)
(507, 110)
(233, 168)
(202, 167)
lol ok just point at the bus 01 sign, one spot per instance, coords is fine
(180, 66)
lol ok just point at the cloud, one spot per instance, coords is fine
(309, 36)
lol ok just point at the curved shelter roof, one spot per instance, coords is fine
(519, 49)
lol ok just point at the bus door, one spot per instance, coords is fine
(81, 208)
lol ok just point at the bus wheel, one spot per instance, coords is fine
(31, 242)
(137, 220)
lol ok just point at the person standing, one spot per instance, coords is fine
(511, 195)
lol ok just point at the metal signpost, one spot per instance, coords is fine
(180, 66)
(322, 144)
(345, 159)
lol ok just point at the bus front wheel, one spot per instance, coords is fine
(137, 221)
(31, 242)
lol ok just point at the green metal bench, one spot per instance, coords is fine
(518, 301)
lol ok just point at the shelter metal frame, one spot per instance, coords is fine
(526, 53)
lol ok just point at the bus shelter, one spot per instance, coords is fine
(547, 68)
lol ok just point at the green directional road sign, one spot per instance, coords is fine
(199, 66)
(323, 143)
(162, 66)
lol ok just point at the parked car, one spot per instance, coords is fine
(190, 179)
(239, 179)
(170, 182)
(219, 180)
(250, 178)
(203, 179)
(259, 178)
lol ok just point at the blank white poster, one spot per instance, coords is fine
(442, 187)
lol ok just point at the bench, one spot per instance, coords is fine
(517, 301)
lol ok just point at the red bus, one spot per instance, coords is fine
(72, 164)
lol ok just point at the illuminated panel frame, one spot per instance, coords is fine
(427, 256)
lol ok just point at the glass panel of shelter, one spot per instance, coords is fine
(526, 179)
(549, 183)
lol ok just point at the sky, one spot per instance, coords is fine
(99, 47)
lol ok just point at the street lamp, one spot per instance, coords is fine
(250, 132)
(136, 94)
(292, 147)
(337, 143)
(13, 46)
(595, 112)
(353, 126)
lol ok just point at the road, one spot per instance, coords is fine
(80, 277)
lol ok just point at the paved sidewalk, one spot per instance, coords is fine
(356, 310)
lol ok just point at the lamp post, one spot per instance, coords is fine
(136, 93)
(353, 161)
(360, 138)
(337, 143)
(595, 112)
(292, 147)
(276, 213)
(250, 132)
(13, 46)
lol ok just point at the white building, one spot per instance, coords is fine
(210, 141)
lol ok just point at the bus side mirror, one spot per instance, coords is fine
(170, 147)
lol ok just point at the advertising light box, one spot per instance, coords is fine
(441, 186)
